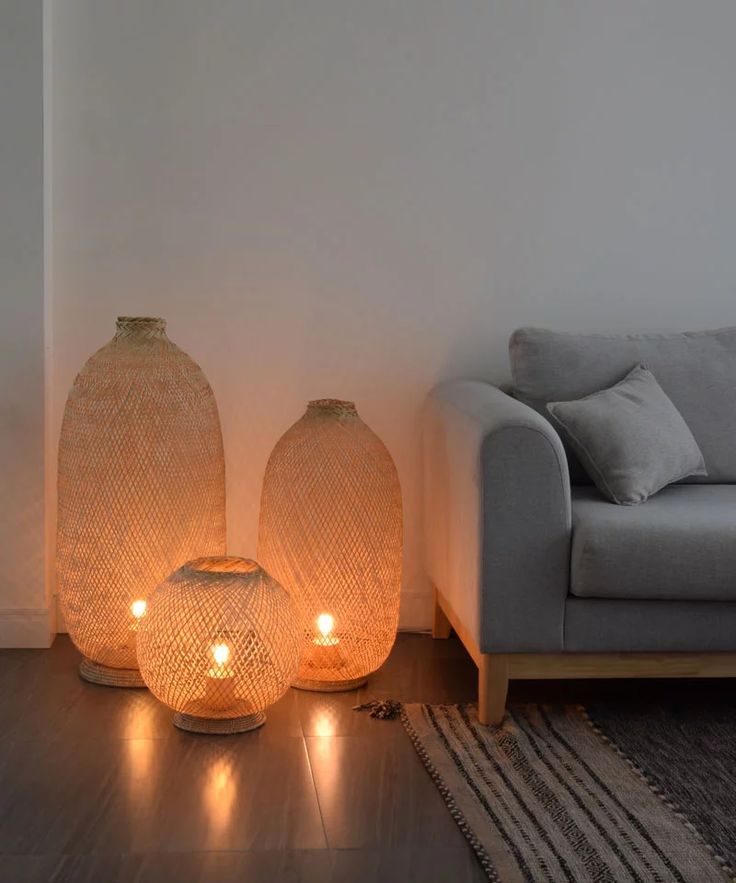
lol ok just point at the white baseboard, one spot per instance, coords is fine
(23, 628)
(416, 611)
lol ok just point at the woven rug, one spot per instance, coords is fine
(562, 793)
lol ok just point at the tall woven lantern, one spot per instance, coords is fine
(219, 644)
(141, 489)
(331, 534)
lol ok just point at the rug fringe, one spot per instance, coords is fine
(455, 811)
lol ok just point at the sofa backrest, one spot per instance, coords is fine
(696, 369)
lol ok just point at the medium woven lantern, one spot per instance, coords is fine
(331, 534)
(219, 644)
(141, 489)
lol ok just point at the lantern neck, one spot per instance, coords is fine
(140, 328)
(224, 564)
(332, 408)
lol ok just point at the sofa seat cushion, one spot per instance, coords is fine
(679, 545)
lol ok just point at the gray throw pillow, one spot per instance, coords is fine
(630, 438)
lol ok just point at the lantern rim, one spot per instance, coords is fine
(339, 407)
(142, 325)
(219, 565)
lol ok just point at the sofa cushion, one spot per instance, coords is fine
(679, 545)
(697, 370)
(630, 438)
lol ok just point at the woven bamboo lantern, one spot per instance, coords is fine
(219, 644)
(331, 534)
(141, 489)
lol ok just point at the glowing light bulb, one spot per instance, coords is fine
(219, 691)
(138, 608)
(324, 652)
(221, 653)
(325, 623)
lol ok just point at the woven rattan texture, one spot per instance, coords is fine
(331, 533)
(110, 677)
(141, 484)
(219, 726)
(219, 640)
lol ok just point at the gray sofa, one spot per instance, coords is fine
(539, 574)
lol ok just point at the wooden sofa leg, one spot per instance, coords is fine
(493, 683)
(441, 627)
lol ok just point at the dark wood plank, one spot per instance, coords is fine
(375, 792)
(406, 865)
(97, 784)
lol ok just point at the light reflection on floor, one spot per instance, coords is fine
(220, 792)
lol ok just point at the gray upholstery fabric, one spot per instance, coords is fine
(697, 370)
(680, 544)
(497, 516)
(596, 626)
(630, 438)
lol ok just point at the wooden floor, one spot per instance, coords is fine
(97, 785)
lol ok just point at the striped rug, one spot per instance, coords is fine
(549, 796)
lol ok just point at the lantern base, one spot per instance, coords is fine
(96, 673)
(328, 686)
(219, 726)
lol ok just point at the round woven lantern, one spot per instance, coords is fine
(141, 489)
(331, 534)
(219, 644)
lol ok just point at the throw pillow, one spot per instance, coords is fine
(630, 438)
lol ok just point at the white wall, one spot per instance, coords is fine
(359, 199)
(24, 617)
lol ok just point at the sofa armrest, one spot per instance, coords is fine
(497, 517)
